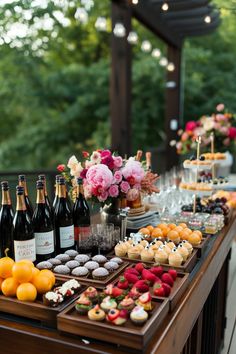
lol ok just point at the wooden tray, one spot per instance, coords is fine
(186, 267)
(94, 282)
(180, 285)
(203, 246)
(129, 335)
(36, 310)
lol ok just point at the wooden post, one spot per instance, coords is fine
(120, 84)
(173, 104)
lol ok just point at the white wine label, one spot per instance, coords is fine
(44, 242)
(67, 236)
(25, 250)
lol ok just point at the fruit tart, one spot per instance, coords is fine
(83, 304)
(117, 317)
(96, 314)
(145, 300)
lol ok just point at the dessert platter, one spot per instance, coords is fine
(116, 319)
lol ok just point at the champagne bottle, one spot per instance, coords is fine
(22, 183)
(43, 226)
(47, 201)
(139, 155)
(23, 234)
(81, 213)
(148, 161)
(64, 227)
(55, 201)
(6, 222)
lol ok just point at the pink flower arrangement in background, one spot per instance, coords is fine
(106, 175)
(221, 123)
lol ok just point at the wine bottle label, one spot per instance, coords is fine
(67, 236)
(81, 232)
(25, 250)
(44, 242)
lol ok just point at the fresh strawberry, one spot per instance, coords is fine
(132, 271)
(160, 292)
(123, 314)
(158, 271)
(131, 278)
(167, 288)
(134, 293)
(123, 283)
(146, 297)
(139, 267)
(142, 286)
(147, 275)
(157, 285)
(117, 292)
(167, 278)
(173, 273)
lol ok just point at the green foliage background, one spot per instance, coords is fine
(54, 84)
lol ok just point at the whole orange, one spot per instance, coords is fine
(178, 229)
(184, 234)
(198, 232)
(26, 261)
(150, 228)
(26, 292)
(171, 226)
(6, 264)
(144, 231)
(9, 286)
(165, 231)
(42, 283)
(22, 272)
(49, 274)
(173, 235)
(183, 225)
(1, 280)
(162, 225)
(35, 271)
(157, 232)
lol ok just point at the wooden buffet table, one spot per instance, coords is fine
(196, 326)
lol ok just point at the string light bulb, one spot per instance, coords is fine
(165, 6)
(135, 2)
(81, 15)
(170, 67)
(146, 46)
(163, 61)
(156, 53)
(101, 24)
(132, 37)
(119, 30)
(207, 19)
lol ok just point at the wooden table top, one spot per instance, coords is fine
(17, 335)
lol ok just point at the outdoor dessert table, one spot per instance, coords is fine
(196, 326)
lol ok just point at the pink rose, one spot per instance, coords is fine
(61, 168)
(224, 130)
(124, 186)
(95, 157)
(105, 153)
(184, 136)
(85, 154)
(83, 173)
(232, 133)
(190, 126)
(99, 175)
(220, 107)
(113, 191)
(226, 142)
(220, 117)
(117, 161)
(103, 196)
(108, 161)
(179, 145)
(117, 177)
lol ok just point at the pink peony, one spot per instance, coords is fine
(117, 177)
(190, 126)
(117, 161)
(103, 196)
(124, 186)
(87, 191)
(113, 191)
(220, 107)
(134, 171)
(232, 133)
(99, 175)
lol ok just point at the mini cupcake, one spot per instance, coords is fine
(72, 284)
(72, 264)
(117, 260)
(108, 304)
(71, 253)
(166, 248)
(100, 273)
(117, 317)
(91, 265)
(80, 272)
(54, 261)
(96, 314)
(62, 269)
(92, 294)
(147, 255)
(187, 245)
(183, 251)
(83, 304)
(82, 258)
(111, 266)
(144, 243)
(175, 258)
(133, 252)
(145, 300)
(120, 250)
(52, 299)
(138, 315)
(126, 304)
(171, 245)
(139, 246)
(63, 257)
(44, 265)
(161, 256)
(99, 259)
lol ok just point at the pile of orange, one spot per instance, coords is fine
(172, 232)
(23, 280)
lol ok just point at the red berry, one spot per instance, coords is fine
(159, 292)
(147, 275)
(142, 286)
(157, 285)
(131, 278)
(117, 292)
(166, 278)
(123, 283)
(132, 271)
(173, 273)
(139, 267)
(134, 293)
(167, 288)
(158, 271)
